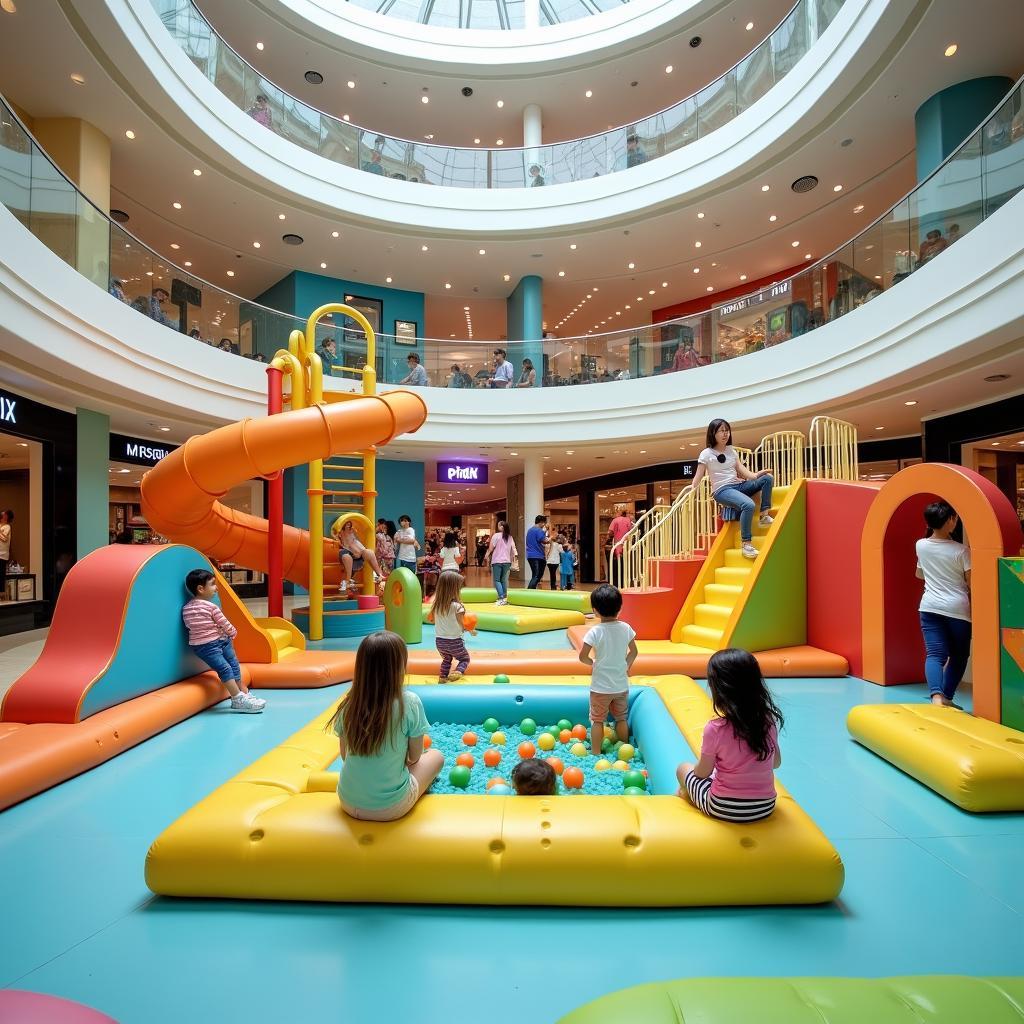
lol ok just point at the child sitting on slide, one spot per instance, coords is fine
(210, 635)
(352, 553)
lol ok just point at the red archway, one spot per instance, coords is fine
(890, 593)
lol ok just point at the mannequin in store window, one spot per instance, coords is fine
(6, 522)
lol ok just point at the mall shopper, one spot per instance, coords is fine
(260, 111)
(155, 309)
(528, 378)
(635, 153)
(567, 565)
(481, 551)
(451, 552)
(617, 530)
(417, 376)
(117, 289)
(502, 377)
(553, 557)
(732, 484)
(328, 356)
(536, 544)
(502, 555)
(384, 548)
(687, 357)
(6, 523)
(945, 609)
(932, 245)
(536, 176)
(408, 545)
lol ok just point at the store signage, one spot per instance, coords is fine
(7, 406)
(25, 418)
(689, 469)
(781, 290)
(462, 472)
(137, 450)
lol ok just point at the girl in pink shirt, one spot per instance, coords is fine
(734, 780)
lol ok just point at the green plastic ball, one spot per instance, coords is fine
(501, 679)
(552, 731)
(634, 779)
(564, 723)
(527, 726)
(606, 745)
(490, 725)
(634, 791)
(459, 776)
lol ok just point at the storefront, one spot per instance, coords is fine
(38, 491)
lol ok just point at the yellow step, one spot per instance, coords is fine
(713, 616)
(735, 559)
(734, 575)
(701, 636)
(723, 594)
(281, 637)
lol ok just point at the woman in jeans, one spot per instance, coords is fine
(501, 553)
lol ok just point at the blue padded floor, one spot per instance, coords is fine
(929, 889)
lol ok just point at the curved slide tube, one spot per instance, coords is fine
(180, 494)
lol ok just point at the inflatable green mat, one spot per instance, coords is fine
(927, 999)
(561, 600)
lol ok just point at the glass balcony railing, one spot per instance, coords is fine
(345, 143)
(985, 172)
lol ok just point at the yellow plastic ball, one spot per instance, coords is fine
(578, 750)
(546, 741)
(627, 751)
(609, 732)
(603, 765)
(620, 766)
(498, 738)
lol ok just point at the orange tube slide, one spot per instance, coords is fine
(180, 494)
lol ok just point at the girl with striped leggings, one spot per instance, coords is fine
(734, 780)
(449, 625)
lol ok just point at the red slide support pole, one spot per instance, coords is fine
(275, 508)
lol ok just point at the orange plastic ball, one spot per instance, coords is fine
(564, 736)
(579, 731)
(526, 749)
(496, 781)
(572, 778)
(469, 620)
(492, 757)
(426, 742)
(556, 763)
(467, 759)
(469, 739)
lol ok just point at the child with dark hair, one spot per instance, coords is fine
(734, 780)
(610, 649)
(210, 635)
(533, 777)
(945, 608)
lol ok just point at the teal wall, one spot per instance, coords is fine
(944, 121)
(93, 487)
(300, 293)
(524, 310)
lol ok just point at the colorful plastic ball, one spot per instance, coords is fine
(564, 736)
(501, 790)
(621, 766)
(498, 738)
(492, 757)
(578, 750)
(500, 679)
(467, 759)
(564, 723)
(490, 725)
(634, 778)
(459, 776)
(527, 726)
(469, 739)
(572, 778)
(469, 620)
(546, 741)
(603, 765)
(627, 751)
(527, 750)
(606, 745)
(556, 763)
(609, 733)
(634, 791)
(579, 731)
(426, 742)
(496, 781)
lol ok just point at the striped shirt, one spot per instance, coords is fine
(205, 622)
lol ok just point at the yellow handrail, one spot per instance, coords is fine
(782, 454)
(627, 569)
(832, 450)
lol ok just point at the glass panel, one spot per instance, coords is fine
(716, 105)
(838, 286)
(754, 77)
(92, 258)
(789, 41)
(897, 249)
(15, 166)
(868, 265)
(1003, 153)
(53, 216)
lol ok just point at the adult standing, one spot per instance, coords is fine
(328, 356)
(417, 375)
(502, 377)
(501, 553)
(553, 557)
(528, 378)
(536, 546)
(481, 552)
(6, 519)
(617, 529)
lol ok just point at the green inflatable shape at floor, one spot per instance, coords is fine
(403, 605)
(939, 999)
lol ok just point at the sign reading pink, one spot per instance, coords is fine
(462, 472)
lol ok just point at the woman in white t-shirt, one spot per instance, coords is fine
(732, 484)
(451, 553)
(553, 557)
(945, 608)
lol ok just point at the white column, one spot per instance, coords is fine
(533, 502)
(533, 131)
(531, 14)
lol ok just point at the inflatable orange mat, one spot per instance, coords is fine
(303, 670)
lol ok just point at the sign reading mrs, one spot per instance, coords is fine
(462, 472)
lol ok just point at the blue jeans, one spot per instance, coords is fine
(568, 580)
(499, 573)
(947, 646)
(536, 572)
(220, 656)
(737, 496)
(411, 566)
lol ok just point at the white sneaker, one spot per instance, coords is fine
(343, 589)
(766, 520)
(247, 704)
(749, 551)
(501, 601)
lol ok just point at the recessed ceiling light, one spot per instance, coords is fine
(314, 78)
(424, 248)
(743, 277)
(78, 79)
(951, 49)
(669, 69)
(447, 284)
(631, 266)
(879, 428)
(507, 277)
(255, 245)
(696, 270)
(334, 234)
(772, 219)
(561, 273)
(501, 103)
(749, 25)
(387, 280)
(572, 245)
(664, 284)
(500, 142)
(910, 403)
(650, 291)
(177, 206)
(765, 188)
(188, 263)
(859, 209)
(197, 172)
(710, 288)
(344, 117)
(996, 444)
(697, 245)
(794, 244)
(700, 216)
(476, 142)
(351, 84)
(482, 252)
(231, 273)
(259, 46)
(807, 255)
(837, 188)
(164, 429)
(589, 93)
(129, 134)
(429, 137)
(280, 216)
(424, 99)
(323, 266)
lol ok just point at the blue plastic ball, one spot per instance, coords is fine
(499, 791)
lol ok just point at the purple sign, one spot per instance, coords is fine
(462, 472)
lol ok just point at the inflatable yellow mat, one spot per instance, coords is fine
(941, 999)
(519, 619)
(277, 831)
(977, 764)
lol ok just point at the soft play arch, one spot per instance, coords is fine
(890, 593)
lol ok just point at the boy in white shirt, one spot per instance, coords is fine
(408, 545)
(610, 649)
